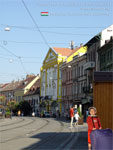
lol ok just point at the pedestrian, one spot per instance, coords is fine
(72, 114)
(33, 114)
(93, 122)
(19, 113)
(76, 118)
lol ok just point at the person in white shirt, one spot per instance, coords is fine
(76, 118)
(33, 114)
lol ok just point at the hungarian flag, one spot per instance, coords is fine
(44, 13)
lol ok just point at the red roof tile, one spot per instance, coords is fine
(63, 51)
(24, 83)
(11, 86)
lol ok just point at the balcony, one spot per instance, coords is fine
(87, 89)
(89, 65)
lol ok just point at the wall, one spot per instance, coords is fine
(18, 94)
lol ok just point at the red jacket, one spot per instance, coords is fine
(71, 112)
(93, 122)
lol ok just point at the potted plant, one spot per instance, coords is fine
(81, 119)
(8, 113)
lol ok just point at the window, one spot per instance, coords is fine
(104, 58)
(71, 74)
(93, 56)
(81, 87)
(19, 98)
(81, 70)
(107, 55)
(73, 89)
(111, 55)
(89, 57)
(78, 88)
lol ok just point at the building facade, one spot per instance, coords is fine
(92, 63)
(105, 54)
(33, 97)
(71, 79)
(9, 90)
(51, 84)
(24, 87)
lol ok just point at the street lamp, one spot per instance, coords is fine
(69, 66)
(7, 29)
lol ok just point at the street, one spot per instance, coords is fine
(32, 133)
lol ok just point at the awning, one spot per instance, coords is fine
(77, 101)
(84, 101)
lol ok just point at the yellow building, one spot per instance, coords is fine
(24, 87)
(50, 90)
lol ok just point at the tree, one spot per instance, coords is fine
(25, 107)
(11, 105)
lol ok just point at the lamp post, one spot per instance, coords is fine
(7, 28)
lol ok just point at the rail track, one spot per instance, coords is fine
(28, 133)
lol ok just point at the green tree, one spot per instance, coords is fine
(25, 107)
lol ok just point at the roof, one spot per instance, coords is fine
(10, 86)
(35, 89)
(63, 51)
(74, 50)
(3, 85)
(96, 38)
(25, 82)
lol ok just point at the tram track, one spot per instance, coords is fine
(68, 144)
(28, 133)
(47, 139)
(18, 126)
(22, 119)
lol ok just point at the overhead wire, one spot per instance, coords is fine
(7, 58)
(33, 20)
(30, 42)
(26, 27)
(9, 51)
(18, 57)
(22, 56)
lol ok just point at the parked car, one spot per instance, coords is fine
(46, 114)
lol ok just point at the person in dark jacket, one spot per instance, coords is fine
(93, 122)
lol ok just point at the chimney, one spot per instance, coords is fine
(81, 44)
(72, 45)
(76, 47)
(29, 76)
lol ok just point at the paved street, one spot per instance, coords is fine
(28, 133)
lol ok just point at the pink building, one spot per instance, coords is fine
(67, 86)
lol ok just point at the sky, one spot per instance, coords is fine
(24, 47)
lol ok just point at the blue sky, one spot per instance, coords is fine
(22, 49)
